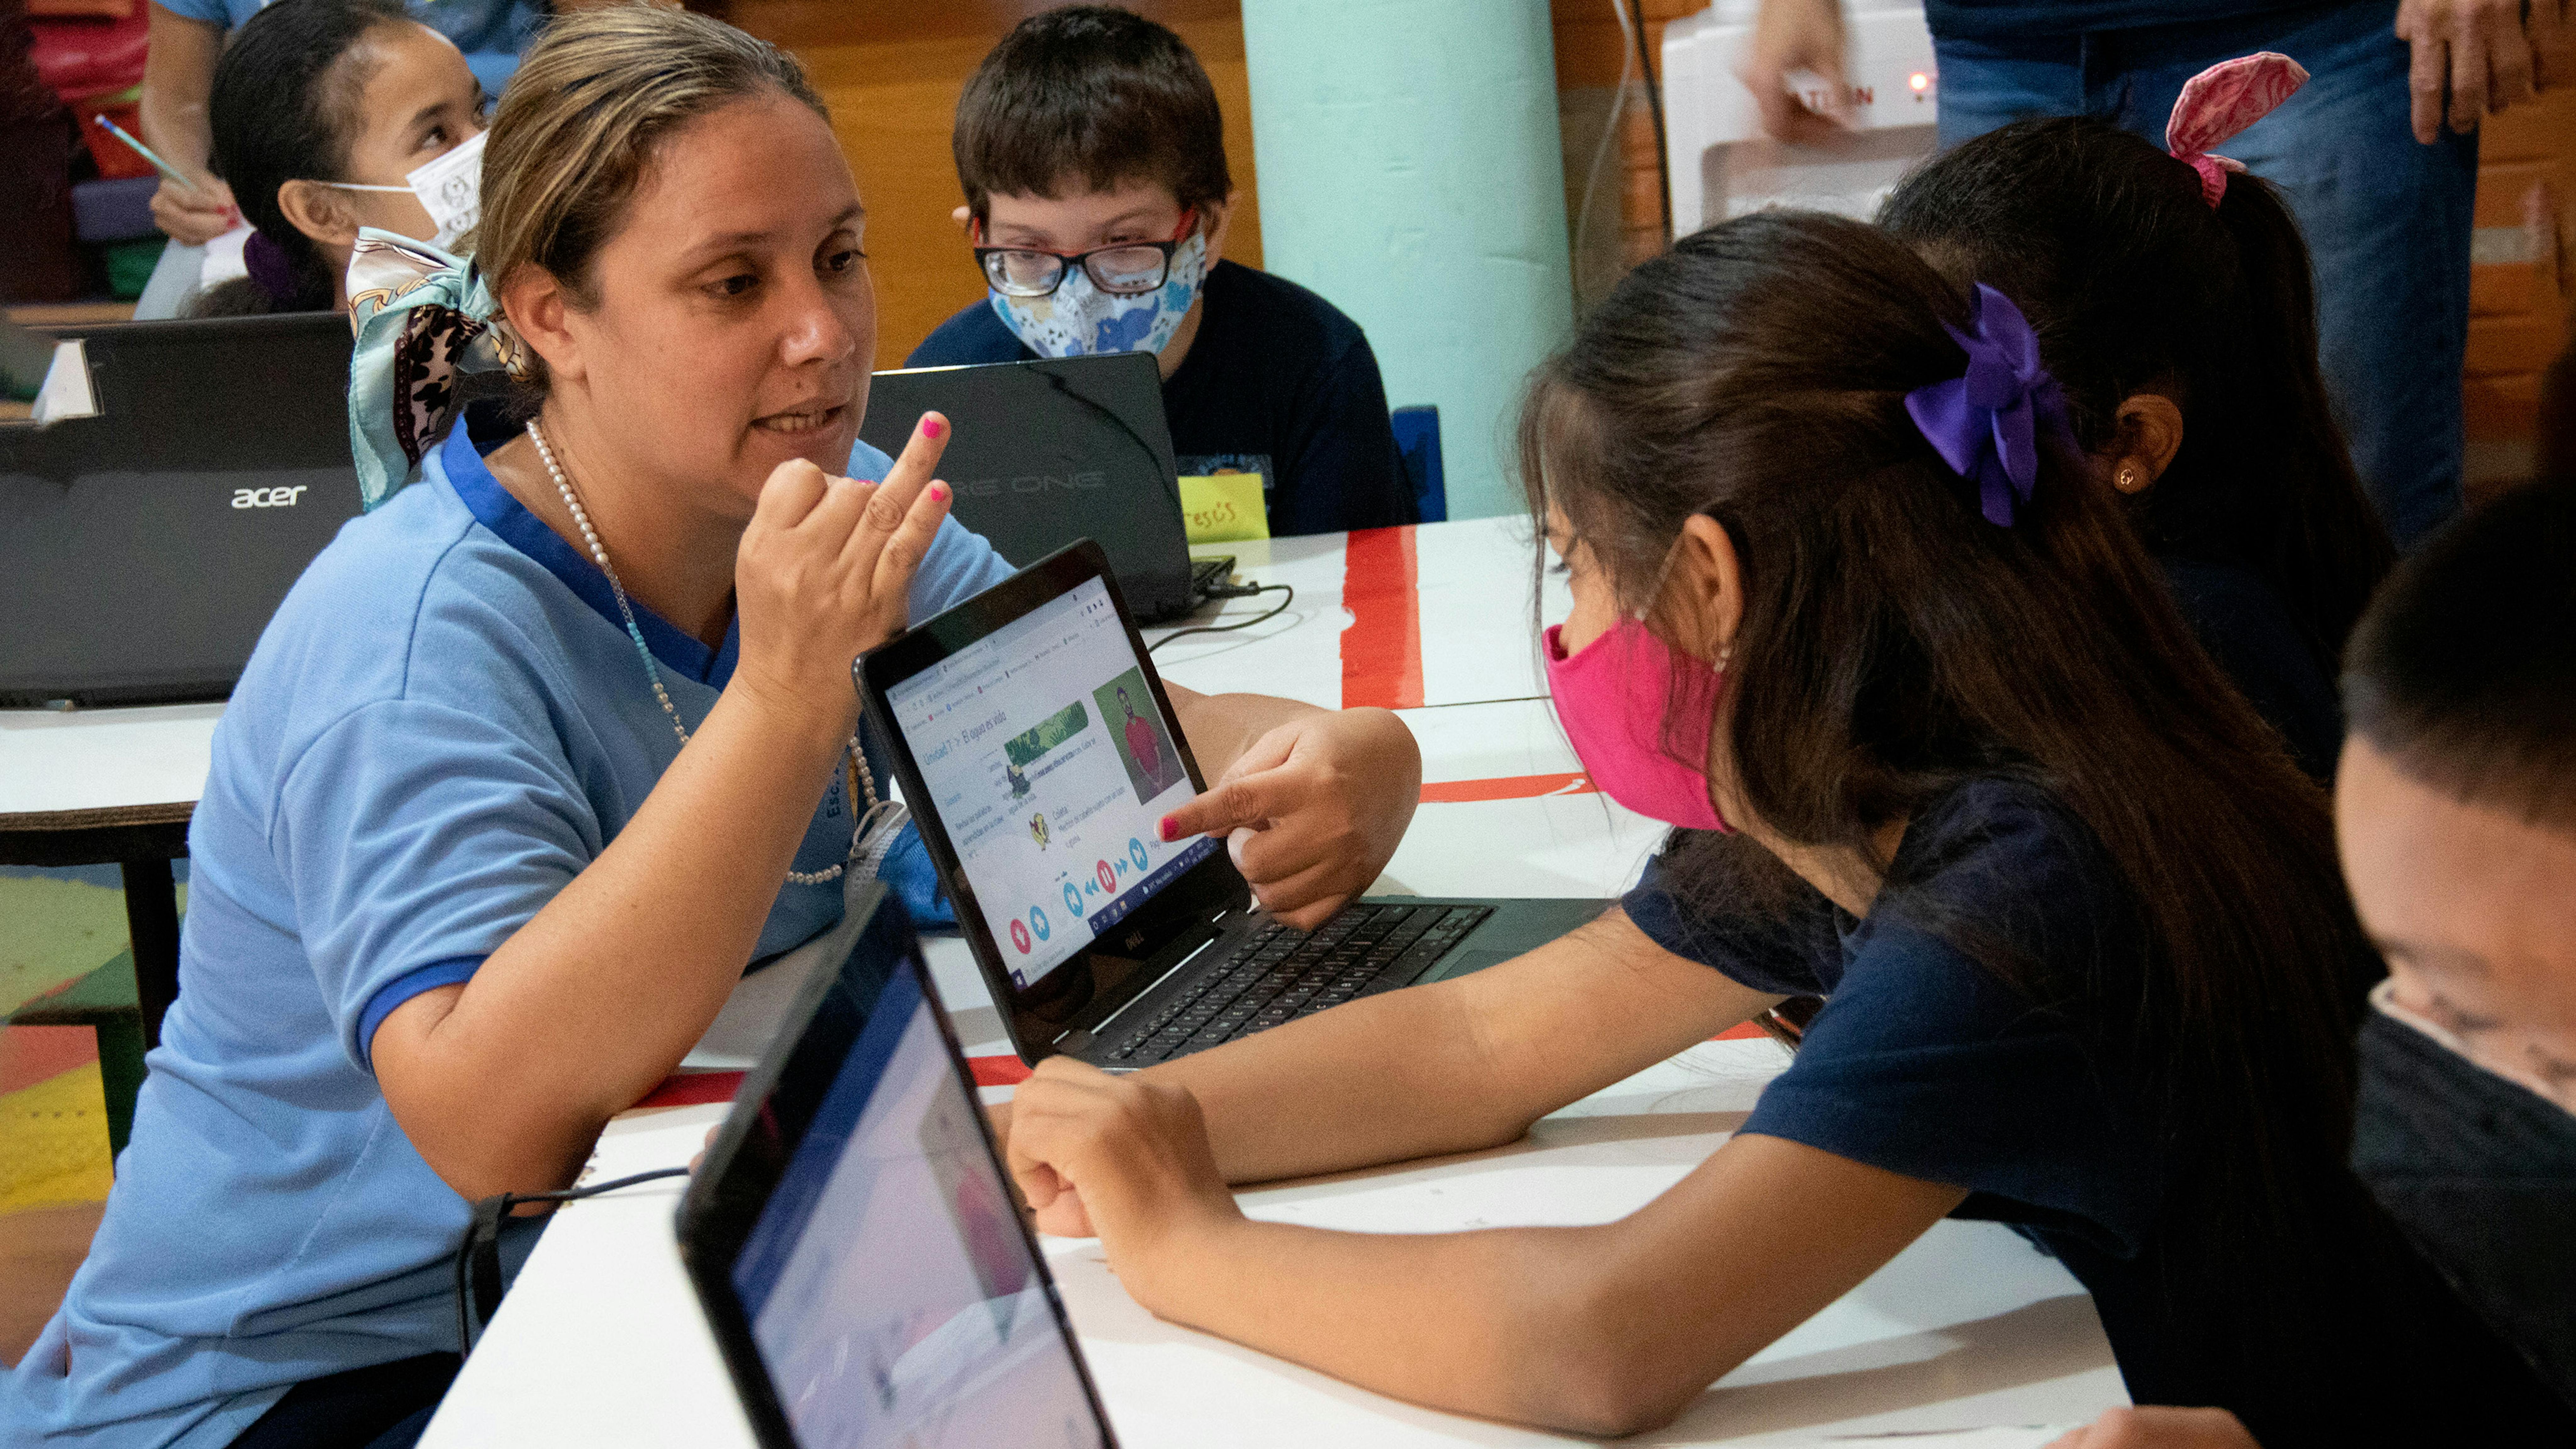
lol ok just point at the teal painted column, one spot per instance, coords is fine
(1410, 172)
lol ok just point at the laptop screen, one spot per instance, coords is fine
(1050, 767)
(893, 1298)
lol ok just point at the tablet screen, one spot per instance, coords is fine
(1050, 767)
(893, 1298)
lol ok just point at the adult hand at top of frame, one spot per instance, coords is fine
(2478, 51)
(825, 570)
(1793, 35)
(2160, 1428)
(1313, 810)
(1122, 1159)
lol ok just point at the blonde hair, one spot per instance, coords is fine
(592, 102)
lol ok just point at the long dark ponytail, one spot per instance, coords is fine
(283, 108)
(2135, 284)
(1894, 644)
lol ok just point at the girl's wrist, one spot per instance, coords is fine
(1197, 1254)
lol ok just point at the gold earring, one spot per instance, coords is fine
(2128, 481)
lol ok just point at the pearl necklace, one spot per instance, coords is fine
(881, 816)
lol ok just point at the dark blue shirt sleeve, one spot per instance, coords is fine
(1927, 1064)
(1999, 1072)
(1792, 954)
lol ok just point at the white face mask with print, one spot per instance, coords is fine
(450, 189)
(1079, 320)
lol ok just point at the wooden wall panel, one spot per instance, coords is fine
(2519, 291)
(891, 71)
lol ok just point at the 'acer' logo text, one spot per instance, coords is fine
(268, 497)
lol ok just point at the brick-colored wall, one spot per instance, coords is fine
(2522, 279)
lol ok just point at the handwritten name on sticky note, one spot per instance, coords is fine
(1224, 507)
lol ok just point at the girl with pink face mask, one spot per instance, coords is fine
(1843, 587)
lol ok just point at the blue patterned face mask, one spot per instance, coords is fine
(1080, 320)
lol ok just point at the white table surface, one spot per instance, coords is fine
(1473, 583)
(601, 1340)
(100, 759)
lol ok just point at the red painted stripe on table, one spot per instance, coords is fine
(693, 1089)
(1382, 648)
(1507, 787)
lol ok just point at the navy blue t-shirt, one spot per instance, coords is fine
(2253, 640)
(1277, 381)
(1929, 1062)
(1988, 18)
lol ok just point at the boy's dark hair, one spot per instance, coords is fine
(1089, 95)
(2463, 672)
(2135, 283)
(284, 107)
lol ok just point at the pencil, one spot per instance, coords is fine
(165, 168)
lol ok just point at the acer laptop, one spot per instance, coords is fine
(1039, 753)
(852, 1237)
(1050, 451)
(143, 549)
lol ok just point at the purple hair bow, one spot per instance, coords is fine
(1986, 424)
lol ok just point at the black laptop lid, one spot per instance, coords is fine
(1051, 451)
(1039, 753)
(143, 550)
(854, 1243)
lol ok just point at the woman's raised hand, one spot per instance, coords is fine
(825, 570)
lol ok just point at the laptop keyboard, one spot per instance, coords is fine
(1278, 974)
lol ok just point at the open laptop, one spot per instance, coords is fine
(143, 550)
(852, 1237)
(1038, 753)
(1051, 451)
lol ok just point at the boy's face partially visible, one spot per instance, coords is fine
(1081, 221)
(2475, 912)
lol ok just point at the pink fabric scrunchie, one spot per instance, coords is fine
(2220, 102)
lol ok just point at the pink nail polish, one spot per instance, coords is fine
(1168, 830)
(939, 492)
(932, 427)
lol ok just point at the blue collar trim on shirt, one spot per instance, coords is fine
(492, 506)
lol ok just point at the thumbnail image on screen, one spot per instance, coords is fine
(1144, 746)
(1050, 767)
(892, 1296)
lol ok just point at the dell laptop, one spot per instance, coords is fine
(142, 550)
(852, 1237)
(1051, 451)
(1039, 754)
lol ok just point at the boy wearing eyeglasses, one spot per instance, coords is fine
(1097, 195)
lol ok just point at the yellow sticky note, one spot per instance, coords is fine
(1224, 507)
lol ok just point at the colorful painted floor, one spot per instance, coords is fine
(56, 926)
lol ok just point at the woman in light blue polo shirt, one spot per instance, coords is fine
(539, 753)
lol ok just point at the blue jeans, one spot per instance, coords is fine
(2386, 219)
